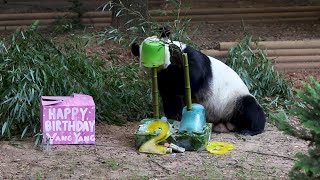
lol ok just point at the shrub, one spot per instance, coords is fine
(128, 96)
(32, 66)
(308, 111)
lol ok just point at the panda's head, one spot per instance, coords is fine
(173, 49)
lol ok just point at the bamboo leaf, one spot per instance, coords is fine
(4, 127)
(118, 13)
(36, 143)
(24, 131)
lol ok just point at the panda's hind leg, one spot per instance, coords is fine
(249, 118)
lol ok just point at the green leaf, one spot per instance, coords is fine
(36, 143)
(24, 131)
(128, 22)
(4, 127)
(118, 13)
(18, 48)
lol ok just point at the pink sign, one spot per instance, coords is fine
(68, 119)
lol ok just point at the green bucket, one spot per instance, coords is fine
(153, 53)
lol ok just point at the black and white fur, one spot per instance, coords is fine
(227, 100)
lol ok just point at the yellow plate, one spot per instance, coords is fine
(217, 147)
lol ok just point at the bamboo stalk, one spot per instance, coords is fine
(155, 93)
(187, 81)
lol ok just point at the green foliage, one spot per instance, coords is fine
(281, 120)
(128, 96)
(32, 66)
(256, 70)
(142, 27)
(308, 111)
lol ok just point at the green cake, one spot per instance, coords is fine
(191, 142)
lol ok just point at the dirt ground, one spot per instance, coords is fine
(269, 155)
(266, 156)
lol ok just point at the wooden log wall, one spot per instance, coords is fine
(287, 56)
(228, 15)
(29, 6)
(36, 6)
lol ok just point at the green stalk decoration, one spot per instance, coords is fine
(155, 93)
(187, 81)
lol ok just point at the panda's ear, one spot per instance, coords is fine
(135, 49)
(164, 32)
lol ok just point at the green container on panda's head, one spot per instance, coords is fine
(152, 53)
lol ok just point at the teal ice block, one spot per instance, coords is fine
(193, 121)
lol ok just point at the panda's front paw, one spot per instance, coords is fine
(249, 133)
(245, 133)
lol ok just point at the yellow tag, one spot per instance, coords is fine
(216, 147)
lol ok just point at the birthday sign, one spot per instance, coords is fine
(68, 119)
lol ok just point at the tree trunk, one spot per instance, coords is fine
(126, 15)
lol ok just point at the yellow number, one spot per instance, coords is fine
(151, 146)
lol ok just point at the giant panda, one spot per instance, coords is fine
(227, 101)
